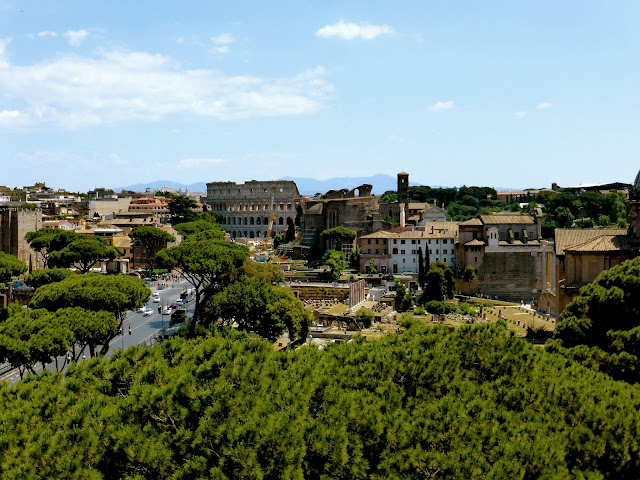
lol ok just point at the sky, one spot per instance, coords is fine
(511, 94)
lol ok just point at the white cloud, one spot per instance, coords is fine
(544, 105)
(221, 43)
(76, 37)
(441, 106)
(520, 115)
(10, 118)
(112, 86)
(199, 162)
(349, 31)
(47, 33)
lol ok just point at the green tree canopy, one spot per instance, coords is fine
(83, 254)
(150, 238)
(365, 316)
(256, 305)
(94, 292)
(47, 240)
(335, 261)
(28, 337)
(181, 210)
(469, 275)
(337, 236)
(203, 263)
(188, 229)
(477, 403)
(39, 278)
(601, 327)
(10, 266)
(439, 283)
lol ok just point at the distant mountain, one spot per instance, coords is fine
(306, 186)
(311, 186)
(200, 187)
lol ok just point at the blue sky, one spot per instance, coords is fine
(497, 93)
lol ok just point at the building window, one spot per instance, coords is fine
(394, 242)
(413, 242)
(401, 242)
(395, 251)
(369, 241)
(376, 241)
(369, 251)
(430, 252)
(376, 251)
(401, 252)
(444, 251)
(475, 259)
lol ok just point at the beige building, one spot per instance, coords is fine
(511, 260)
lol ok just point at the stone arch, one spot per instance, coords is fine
(251, 221)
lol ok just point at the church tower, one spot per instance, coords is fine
(403, 188)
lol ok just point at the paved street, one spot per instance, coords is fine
(142, 328)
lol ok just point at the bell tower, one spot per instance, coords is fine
(403, 188)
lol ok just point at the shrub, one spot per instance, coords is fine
(435, 307)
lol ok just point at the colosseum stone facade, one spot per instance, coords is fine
(246, 206)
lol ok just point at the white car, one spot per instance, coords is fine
(166, 311)
(147, 313)
(156, 298)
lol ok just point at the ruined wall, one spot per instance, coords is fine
(511, 276)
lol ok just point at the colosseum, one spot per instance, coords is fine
(246, 207)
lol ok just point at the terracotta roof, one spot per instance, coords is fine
(474, 243)
(417, 206)
(506, 219)
(440, 230)
(607, 243)
(473, 221)
(568, 237)
(124, 242)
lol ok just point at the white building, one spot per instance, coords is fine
(397, 252)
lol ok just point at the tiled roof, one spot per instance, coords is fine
(607, 243)
(440, 230)
(519, 243)
(473, 221)
(506, 219)
(417, 206)
(474, 243)
(568, 237)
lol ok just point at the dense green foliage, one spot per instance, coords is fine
(205, 264)
(477, 403)
(150, 238)
(335, 237)
(336, 263)
(181, 210)
(47, 240)
(601, 327)
(439, 283)
(567, 209)
(10, 266)
(39, 278)
(97, 293)
(256, 305)
(82, 254)
(469, 275)
(365, 316)
(188, 229)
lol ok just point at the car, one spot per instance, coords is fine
(173, 306)
(147, 313)
(166, 311)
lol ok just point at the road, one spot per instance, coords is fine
(142, 328)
